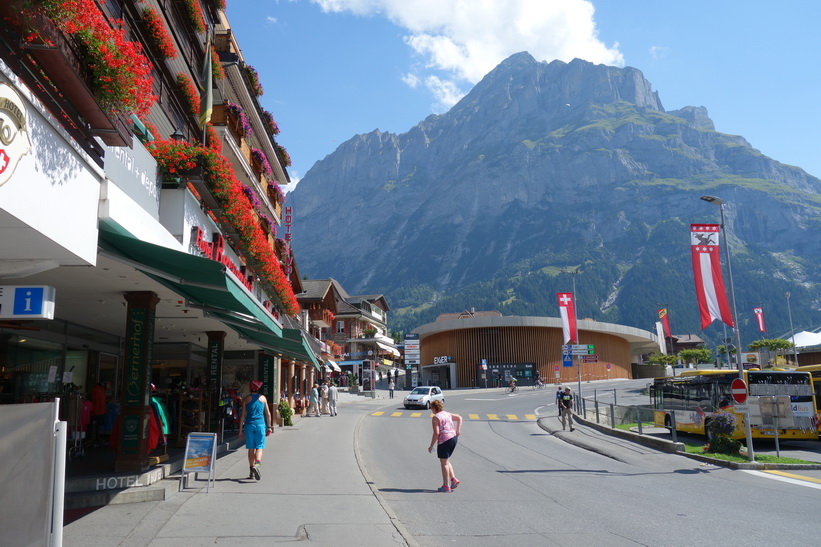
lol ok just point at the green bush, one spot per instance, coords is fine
(286, 412)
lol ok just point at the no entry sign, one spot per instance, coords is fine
(738, 389)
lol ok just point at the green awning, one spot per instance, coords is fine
(292, 344)
(202, 281)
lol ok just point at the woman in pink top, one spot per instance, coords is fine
(446, 436)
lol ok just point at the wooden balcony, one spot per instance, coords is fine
(321, 317)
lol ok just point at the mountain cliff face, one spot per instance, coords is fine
(550, 166)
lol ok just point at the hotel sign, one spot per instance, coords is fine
(14, 137)
(216, 251)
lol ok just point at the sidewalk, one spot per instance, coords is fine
(311, 490)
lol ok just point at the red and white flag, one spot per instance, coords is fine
(665, 322)
(567, 309)
(712, 298)
(759, 316)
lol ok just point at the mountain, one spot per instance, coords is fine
(545, 167)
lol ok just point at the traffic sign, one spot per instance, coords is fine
(738, 389)
(590, 358)
(567, 360)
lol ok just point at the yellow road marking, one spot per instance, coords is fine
(473, 416)
(530, 416)
(377, 413)
(512, 417)
(793, 476)
(396, 414)
(492, 417)
(415, 414)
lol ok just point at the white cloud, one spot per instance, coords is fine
(446, 92)
(462, 40)
(271, 19)
(288, 188)
(411, 80)
(658, 52)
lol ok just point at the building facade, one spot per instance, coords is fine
(140, 196)
(484, 349)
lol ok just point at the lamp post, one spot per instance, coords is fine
(720, 202)
(574, 273)
(792, 330)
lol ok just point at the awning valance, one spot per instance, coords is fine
(292, 344)
(202, 281)
(390, 349)
(334, 366)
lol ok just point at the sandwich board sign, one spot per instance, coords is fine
(200, 457)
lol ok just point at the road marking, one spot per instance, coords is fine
(377, 413)
(415, 414)
(492, 417)
(473, 416)
(530, 416)
(396, 414)
(800, 480)
(512, 417)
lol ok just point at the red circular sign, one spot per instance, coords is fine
(739, 391)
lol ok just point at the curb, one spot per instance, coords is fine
(369, 481)
(679, 448)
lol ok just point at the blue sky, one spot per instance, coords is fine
(332, 69)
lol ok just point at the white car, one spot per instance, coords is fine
(423, 395)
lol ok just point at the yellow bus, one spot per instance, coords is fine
(693, 397)
(815, 374)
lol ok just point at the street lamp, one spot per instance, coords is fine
(792, 330)
(720, 202)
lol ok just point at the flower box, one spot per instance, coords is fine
(63, 67)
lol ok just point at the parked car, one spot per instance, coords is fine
(423, 395)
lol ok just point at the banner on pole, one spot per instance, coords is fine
(712, 298)
(567, 310)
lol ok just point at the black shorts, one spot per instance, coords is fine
(445, 450)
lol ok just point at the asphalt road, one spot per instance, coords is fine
(524, 486)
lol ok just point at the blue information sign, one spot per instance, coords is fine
(567, 360)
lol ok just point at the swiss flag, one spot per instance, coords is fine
(567, 309)
(4, 160)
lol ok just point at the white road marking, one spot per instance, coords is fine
(782, 479)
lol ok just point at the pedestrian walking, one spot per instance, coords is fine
(445, 437)
(391, 387)
(566, 405)
(255, 425)
(314, 399)
(333, 396)
(323, 394)
(559, 400)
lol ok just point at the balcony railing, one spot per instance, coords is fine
(321, 317)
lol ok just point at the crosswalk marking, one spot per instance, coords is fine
(472, 416)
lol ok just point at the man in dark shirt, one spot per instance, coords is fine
(566, 406)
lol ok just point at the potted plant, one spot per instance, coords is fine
(720, 430)
(285, 412)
